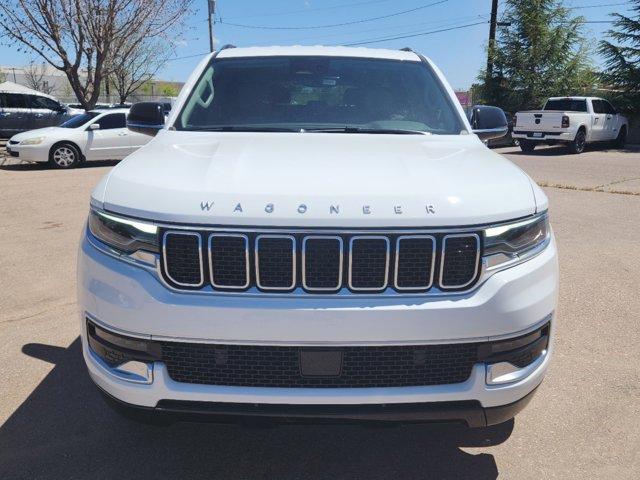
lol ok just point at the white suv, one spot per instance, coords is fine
(318, 233)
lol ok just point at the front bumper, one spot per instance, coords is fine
(130, 300)
(469, 412)
(29, 153)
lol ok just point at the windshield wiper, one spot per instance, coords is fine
(348, 129)
(242, 128)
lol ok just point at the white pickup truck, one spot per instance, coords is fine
(575, 121)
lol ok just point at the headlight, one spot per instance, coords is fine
(32, 141)
(123, 234)
(517, 241)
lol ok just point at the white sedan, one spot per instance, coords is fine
(94, 135)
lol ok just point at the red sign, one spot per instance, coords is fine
(464, 98)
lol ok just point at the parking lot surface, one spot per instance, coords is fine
(584, 421)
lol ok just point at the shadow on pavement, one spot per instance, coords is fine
(65, 430)
(26, 167)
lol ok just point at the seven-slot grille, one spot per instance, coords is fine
(320, 263)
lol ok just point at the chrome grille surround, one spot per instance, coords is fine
(168, 233)
(357, 238)
(397, 262)
(293, 262)
(304, 263)
(443, 258)
(211, 260)
(300, 287)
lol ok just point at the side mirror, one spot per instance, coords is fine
(146, 118)
(94, 126)
(488, 122)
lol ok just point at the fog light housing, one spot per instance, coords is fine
(511, 360)
(125, 358)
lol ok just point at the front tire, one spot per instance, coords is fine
(578, 144)
(64, 156)
(527, 146)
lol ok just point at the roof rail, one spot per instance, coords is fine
(227, 46)
(406, 49)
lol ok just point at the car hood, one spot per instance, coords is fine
(39, 132)
(316, 179)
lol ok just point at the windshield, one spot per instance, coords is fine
(79, 120)
(566, 105)
(335, 94)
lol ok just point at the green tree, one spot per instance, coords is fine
(622, 60)
(541, 53)
(169, 91)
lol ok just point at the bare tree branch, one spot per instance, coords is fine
(87, 39)
(35, 76)
(133, 67)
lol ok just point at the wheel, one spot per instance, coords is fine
(578, 144)
(64, 155)
(622, 137)
(527, 146)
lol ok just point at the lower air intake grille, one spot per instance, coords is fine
(182, 258)
(272, 366)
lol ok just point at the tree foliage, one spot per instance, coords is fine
(542, 53)
(622, 60)
(80, 37)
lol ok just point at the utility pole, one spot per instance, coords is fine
(212, 20)
(492, 38)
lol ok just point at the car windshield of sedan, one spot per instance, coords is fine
(321, 94)
(79, 120)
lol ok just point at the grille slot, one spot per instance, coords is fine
(322, 263)
(182, 255)
(275, 262)
(460, 257)
(279, 366)
(229, 261)
(415, 261)
(368, 263)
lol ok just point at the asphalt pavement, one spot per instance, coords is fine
(584, 421)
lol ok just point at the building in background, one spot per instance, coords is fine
(51, 81)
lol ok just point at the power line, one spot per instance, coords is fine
(400, 37)
(441, 23)
(307, 10)
(312, 27)
(598, 5)
(188, 56)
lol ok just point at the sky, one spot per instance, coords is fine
(459, 52)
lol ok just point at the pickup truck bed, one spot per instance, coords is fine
(575, 121)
